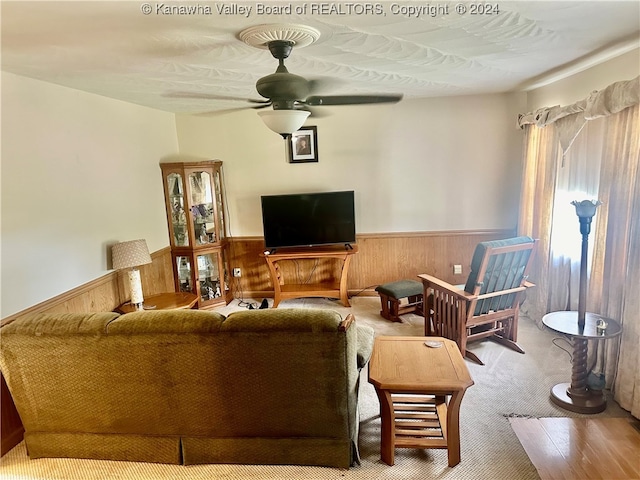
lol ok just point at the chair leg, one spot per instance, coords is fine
(429, 327)
(416, 303)
(390, 308)
(473, 357)
(395, 310)
(509, 334)
(513, 328)
(384, 300)
(507, 343)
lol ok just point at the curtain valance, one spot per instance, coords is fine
(613, 99)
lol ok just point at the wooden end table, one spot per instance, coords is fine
(162, 301)
(420, 390)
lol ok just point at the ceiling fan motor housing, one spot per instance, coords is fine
(283, 86)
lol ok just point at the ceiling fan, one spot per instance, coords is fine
(287, 91)
(291, 96)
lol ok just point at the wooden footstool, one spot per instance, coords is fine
(420, 390)
(392, 294)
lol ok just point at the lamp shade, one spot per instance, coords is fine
(284, 122)
(130, 254)
(586, 208)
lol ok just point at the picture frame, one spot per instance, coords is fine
(303, 145)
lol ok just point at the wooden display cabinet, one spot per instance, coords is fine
(194, 201)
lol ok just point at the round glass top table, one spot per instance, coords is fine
(576, 396)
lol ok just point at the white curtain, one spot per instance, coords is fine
(590, 150)
(577, 178)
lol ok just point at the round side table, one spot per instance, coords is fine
(576, 396)
(162, 301)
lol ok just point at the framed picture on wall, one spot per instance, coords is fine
(303, 145)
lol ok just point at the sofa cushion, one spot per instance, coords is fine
(283, 320)
(167, 321)
(298, 320)
(60, 324)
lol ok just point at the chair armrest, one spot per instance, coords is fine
(441, 285)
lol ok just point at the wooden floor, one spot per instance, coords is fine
(581, 448)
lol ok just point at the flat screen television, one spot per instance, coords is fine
(308, 219)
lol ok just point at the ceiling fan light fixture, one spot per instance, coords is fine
(284, 122)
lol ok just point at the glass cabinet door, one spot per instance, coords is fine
(209, 276)
(219, 203)
(175, 186)
(183, 268)
(202, 212)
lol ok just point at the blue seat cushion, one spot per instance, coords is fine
(509, 276)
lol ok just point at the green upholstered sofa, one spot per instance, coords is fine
(188, 386)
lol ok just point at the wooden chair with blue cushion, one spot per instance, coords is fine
(489, 303)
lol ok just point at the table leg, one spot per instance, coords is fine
(576, 397)
(387, 420)
(453, 428)
(344, 293)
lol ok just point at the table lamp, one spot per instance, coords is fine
(132, 254)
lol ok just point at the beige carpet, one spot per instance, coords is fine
(510, 385)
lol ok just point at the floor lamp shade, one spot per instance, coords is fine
(132, 254)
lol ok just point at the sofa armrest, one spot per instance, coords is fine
(364, 335)
(346, 323)
(365, 344)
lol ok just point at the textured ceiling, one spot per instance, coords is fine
(114, 49)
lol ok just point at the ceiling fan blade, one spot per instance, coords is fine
(214, 113)
(208, 96)
(320, 85)
(351, 99)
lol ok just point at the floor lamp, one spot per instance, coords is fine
(581, 326)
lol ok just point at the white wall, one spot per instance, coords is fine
(449, 163)
(79, 172)
(577, 87)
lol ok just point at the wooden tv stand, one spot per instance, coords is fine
(283, 291)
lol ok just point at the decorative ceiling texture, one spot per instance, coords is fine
(163, 54)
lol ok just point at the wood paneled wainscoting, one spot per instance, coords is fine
(381, 258)
(100, 295)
